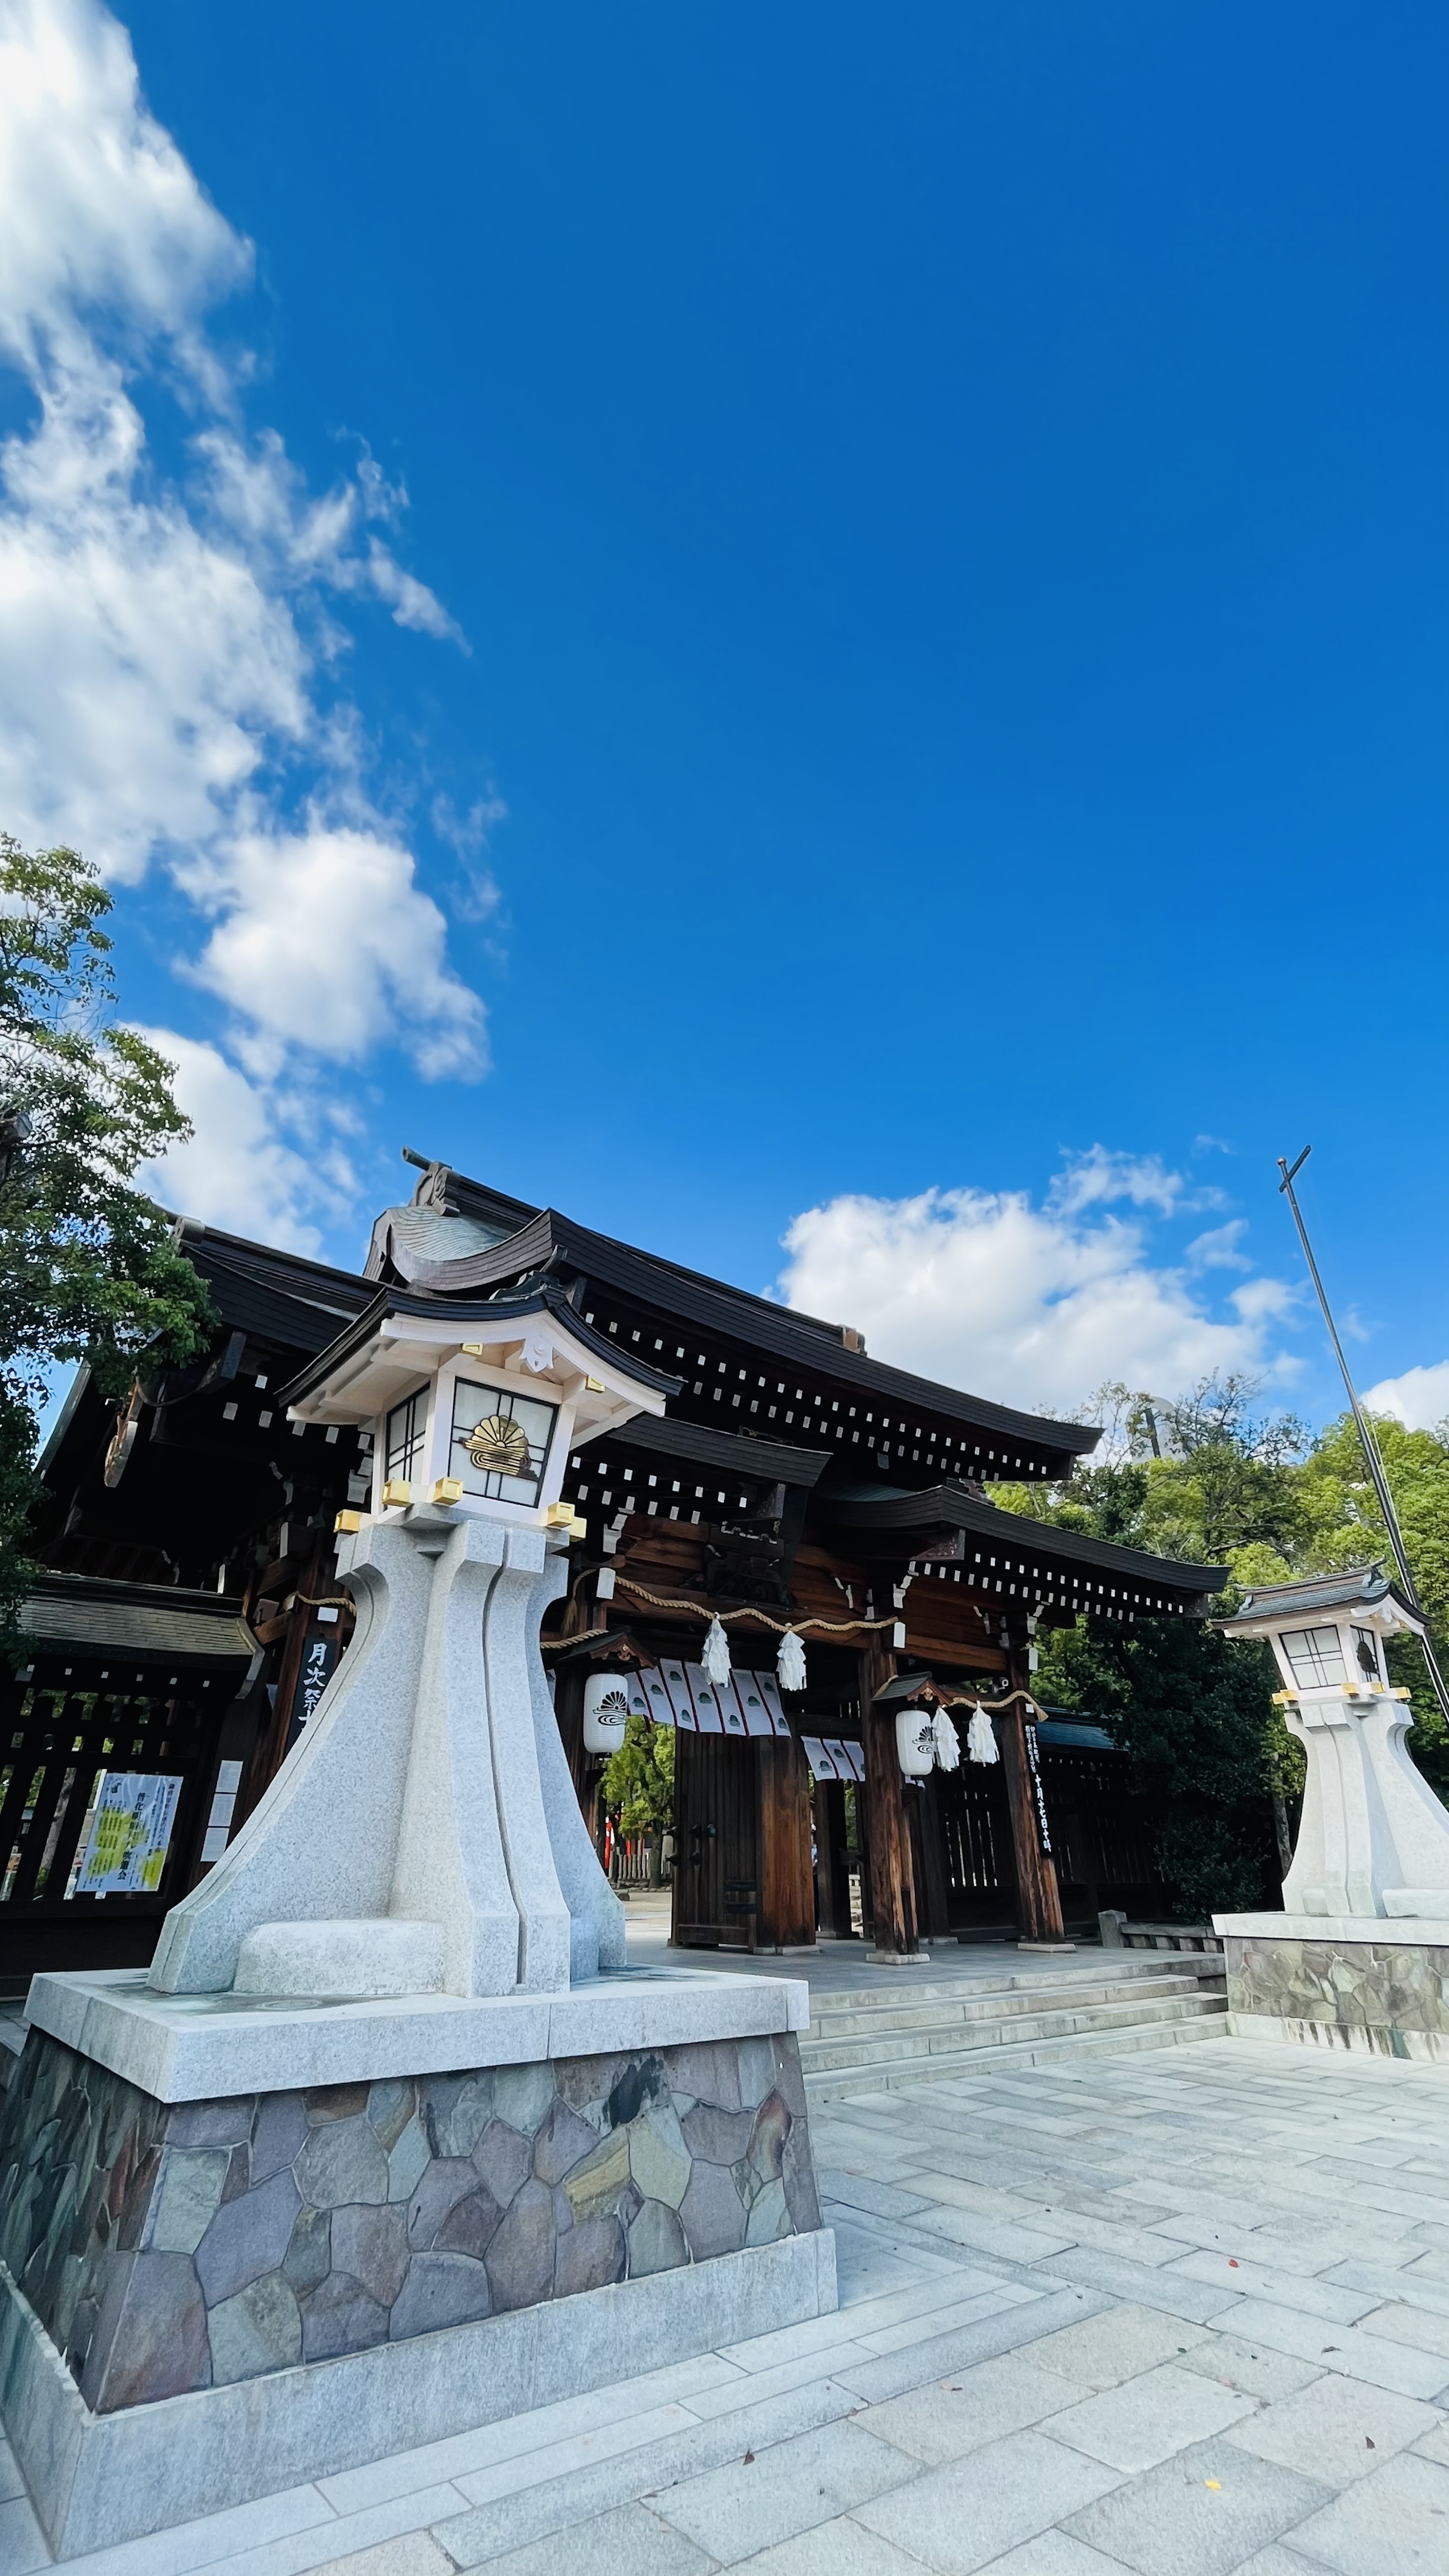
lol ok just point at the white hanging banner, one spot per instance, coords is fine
(677, 1685)
(769, 1690)
(130, 1833)
(844, 1767)
(707, 1713)
(818, 1759)
(752, 1701)
(638, 1699)
(731, 1707)
(660, 1706)
(855, 1755)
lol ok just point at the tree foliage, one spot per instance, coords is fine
(88, 1267)
(639, 1778)
(1209, 1480)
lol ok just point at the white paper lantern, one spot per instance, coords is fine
(916, 1742)
(606, 1712)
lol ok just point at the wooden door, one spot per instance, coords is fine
(716, 1858)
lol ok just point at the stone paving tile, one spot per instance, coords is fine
(1166, 2289)
(1115, 2345)
(1435, 2445)
(555, 2501)
(688, 2383)
(839, 2548)
(959, 2517)
(1417, 2326)
(22, 2543)
(413, 2553)
(1345, 2348)
(1200, 2513)
(862, 2191)
(1252, 2280)
(1256, 2369)
(958, 2414)
(737, 2510)
(1142, 2422)
(1339, 2429)
(1405, 2285)
(574, 2453)
(630, 2541)
(341, 2536)
(215, 2539)
(1054, 2553)
(1397, 2520)
(944, 2356)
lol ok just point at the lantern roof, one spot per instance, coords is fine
(399, 1335)
(1361, 1587)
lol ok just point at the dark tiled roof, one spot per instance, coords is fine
(145, 1620)
(546, 1238)
(1363, 1585)
(897, 1519)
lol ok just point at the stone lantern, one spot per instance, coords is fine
(402, 2143)
(1374, 1838)
(1360, 1954)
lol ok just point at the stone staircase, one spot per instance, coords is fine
(880, 2039)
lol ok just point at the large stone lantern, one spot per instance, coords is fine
(391, 2142)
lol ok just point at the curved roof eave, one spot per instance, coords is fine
(739, 1315)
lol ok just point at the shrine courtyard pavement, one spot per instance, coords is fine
(1182, 2313)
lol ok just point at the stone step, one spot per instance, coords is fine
(844, 2084)
(832, 2019)
(904, 1985)
(1050, 2021)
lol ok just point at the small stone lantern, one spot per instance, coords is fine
(1374, 1839)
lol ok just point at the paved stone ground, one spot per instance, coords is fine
(1183, 2314)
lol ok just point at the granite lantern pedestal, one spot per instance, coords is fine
(1359, 1957)
(390, 2142)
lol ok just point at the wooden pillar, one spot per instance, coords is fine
(930, 1842)
(892, 1878)
(786, 1915)
(1038, 1900)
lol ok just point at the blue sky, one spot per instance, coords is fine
(817, 634)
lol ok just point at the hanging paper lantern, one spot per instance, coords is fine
(606, 1712)
(948, 1750)
(916, 1742)
(981, 1738)
(790, 1662)
(716, 1656)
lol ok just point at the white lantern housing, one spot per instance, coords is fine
(916, 1742)
(606, 1712)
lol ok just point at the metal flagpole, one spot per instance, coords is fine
(1366, 1434)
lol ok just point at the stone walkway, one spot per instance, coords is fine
(1184, 2314)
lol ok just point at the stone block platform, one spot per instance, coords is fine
(1375, 1985)
(204, 2298)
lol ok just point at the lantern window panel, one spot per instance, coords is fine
(1366, 1651)
(500, 1442)
(406, 1431)
(1316, 1657)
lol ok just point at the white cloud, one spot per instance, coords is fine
(238, 1172)
(169, 647)
(1032, 1306)
(1221, 1249)
(290, 902)
(1420, 1397)
(1099, 1178)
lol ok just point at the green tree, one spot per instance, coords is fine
(639, 1778)
(88, 1267)
(1208, 1480)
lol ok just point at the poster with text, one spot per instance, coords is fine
(130, 1834)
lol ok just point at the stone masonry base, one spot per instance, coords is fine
(1369, 1991)
(211, 2253)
